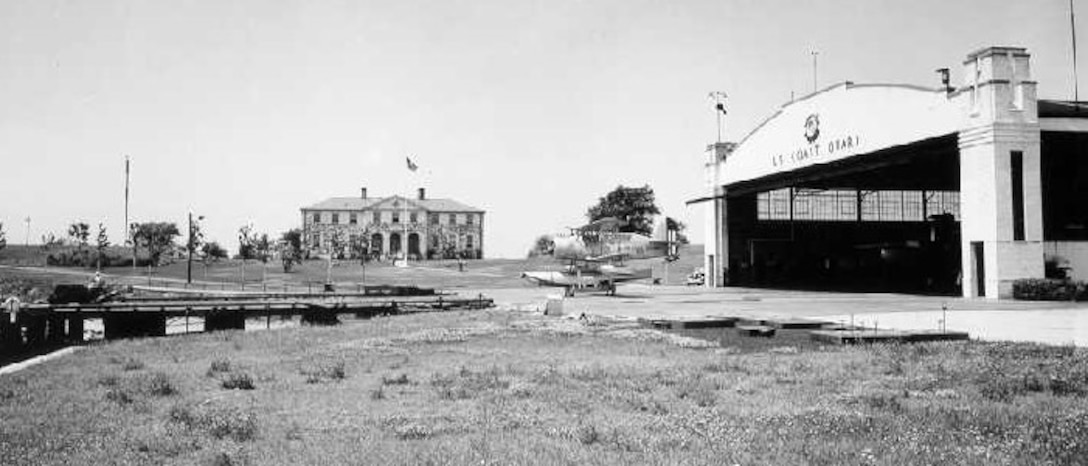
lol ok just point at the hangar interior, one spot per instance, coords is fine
(888, 221)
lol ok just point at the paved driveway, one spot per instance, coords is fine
(1046, 322)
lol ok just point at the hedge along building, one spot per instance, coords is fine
(905, 188)
(432, 228)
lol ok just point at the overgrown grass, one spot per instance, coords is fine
(497, 388)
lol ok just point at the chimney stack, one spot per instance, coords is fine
(362, 192)
(422, 194)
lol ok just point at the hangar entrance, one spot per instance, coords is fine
(884, 221)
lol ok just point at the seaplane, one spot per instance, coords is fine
(597, 256)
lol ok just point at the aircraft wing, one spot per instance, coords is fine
(616, 256)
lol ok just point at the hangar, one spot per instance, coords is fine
(878, 187)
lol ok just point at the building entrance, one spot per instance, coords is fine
(888, 221)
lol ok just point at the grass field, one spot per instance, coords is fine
(347, 275)
(500, 387)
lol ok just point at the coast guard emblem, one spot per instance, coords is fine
(812, 128)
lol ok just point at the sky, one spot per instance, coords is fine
(245, 111)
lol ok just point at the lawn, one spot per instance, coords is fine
(347, 275)
(502, 387)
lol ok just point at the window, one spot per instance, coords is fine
(317, 217)
(353, 219)
(452, 220)
(335, 218)
(470, 219)
(396, 217)
(468, 242)
(413, 217)
(377, 217)
(1017, 172)
(434, 219)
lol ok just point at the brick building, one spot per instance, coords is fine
(383, 226)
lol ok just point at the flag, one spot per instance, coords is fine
(411, 165)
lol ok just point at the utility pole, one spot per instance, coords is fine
(814, 55)
(719, 109)
(27, 220)
(1073, 33)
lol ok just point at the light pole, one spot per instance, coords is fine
(192, 245)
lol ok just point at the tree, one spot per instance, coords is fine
(544, 246)
(156, 237)
(247, 247)
(212, 252)
(634, 207)
(263, 248)
(101, 243)
(80, 232)
(338, 242)
(247, 243)
(360, 248)
(290, 248)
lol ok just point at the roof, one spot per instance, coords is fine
(358, 203)
(1062, 109)
(836, 123)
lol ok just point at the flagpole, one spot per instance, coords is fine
(128, 229)
(404, 240)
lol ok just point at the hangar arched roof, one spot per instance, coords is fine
(842, 121)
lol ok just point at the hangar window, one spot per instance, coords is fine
(825, 204)
(840, 205)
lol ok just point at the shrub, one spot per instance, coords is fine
(158, 384)
(587, 434)
(466, 383)
(378, 393)
(219, 422)
(238, 381)
(398, 380)
(412, 431)
(132, 364)
(118, 395)
(333, 371)
(218, 366)
(1049, 290)
(109, 380)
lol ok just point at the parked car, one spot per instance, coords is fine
(697, 278)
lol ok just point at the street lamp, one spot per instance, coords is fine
(189, 269)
